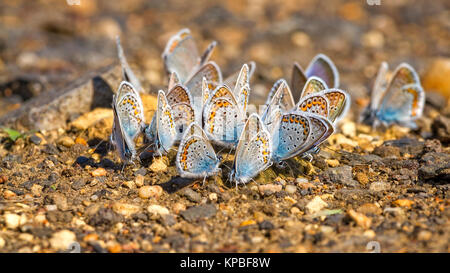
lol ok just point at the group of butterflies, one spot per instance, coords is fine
(201, 111)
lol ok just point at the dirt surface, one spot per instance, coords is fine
(67, 185)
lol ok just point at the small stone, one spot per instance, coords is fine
(269, 189)
(247, 223)
(60, 201)
(192, 195)
(199, 212)
(315, 205)
(348, 129)
(178, 207)
(379, 186)
(128, 184)
(403, 203)
(362, 178)
(360, 219)
(65, 141)
(369, 234)
(78, 184)
(125, 209)
(342, 175)
(373, 39)
(13, 221)
(27, 237)
(36, 190)
(98, 172)
(158, 165)
(212, 197)
(266, 225)
(294, 210)
(326, 229)
(332, 162)
(2, 243)
(91, 118)
(369, 208)
(3, 179)
(291, 189)
(300, 180)
(436, 78)
(424, 235)
(35, 139)
(146, 192)
(114, 248)
(61, 240)
(7, 194)
(80, 140)
(139, 180)
(157, 209)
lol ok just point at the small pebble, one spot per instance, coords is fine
(61, 240)
(158, 165)
(157, 209)
(291, 189)
(146, 192)
(269, 189)
(65, 141)
(360, 219)
(98, 172)
(315, 205)
(139, 180)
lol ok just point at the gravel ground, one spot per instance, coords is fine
(63, 186)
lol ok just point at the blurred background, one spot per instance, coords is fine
(45, 44)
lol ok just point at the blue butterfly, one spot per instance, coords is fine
(400, 100)
(128, 121)
(161, 133)
(320, 66)
(298, 133)
(196, 157)
(253, 152)
(223, 117)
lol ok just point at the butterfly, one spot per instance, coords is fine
(298, 133)
(320, 66)
(253, 152)
(196, 157)
(181, 55)
(180, 101)
(400, 100)
(127, 73)
(334, 103)
(223, 117)
(128, 120)
(161, 133)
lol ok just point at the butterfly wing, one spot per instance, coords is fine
(223, 121)
(233, 78)
(313, 85)
(129, 110)
(211, 72)
(254, 150)
(315, 103)
(339, 103)
(181, 55)
(321, 66)
(299, 132)
(179, 94)
(183, 115)
(117, 138)
(173, 80)
(207, 53)
(196, 157)
(165, 125)
(282, 97)
(402, 105)
(298, 80)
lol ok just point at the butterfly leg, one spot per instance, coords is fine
(308, 157)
